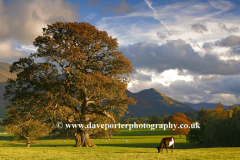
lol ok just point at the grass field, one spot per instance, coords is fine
(135, 144)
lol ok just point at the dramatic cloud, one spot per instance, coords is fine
(177, 54)
(199, 28)
(25, 19)
(229, 30)
(22, 21)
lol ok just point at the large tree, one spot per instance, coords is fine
(79, 67)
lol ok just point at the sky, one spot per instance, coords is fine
(188, 50)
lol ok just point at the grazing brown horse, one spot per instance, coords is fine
(166, 142)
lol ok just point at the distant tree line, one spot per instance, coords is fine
(218, 127)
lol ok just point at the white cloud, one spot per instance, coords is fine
(91, 16)
(226, 99)
(220, 4)
(169, 76)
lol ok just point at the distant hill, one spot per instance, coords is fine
(4, 75)
(152, 102)
(3, 102)
(4, 72)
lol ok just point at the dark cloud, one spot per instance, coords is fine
(229, 41)
(177, 54)
(34, 15)
(227, 85)
(232, 41)
(188, 88)
(208, 46)
(141, 77)
(229, 30)
(235, 50)
(199, 28)
(163, 35)
(122, 8)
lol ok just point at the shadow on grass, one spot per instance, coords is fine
(134, 145)
(144, 133)
(18, 144)
(154, 145)
(5, 137)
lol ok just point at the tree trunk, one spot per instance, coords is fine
(181, 135)
(82, 139)
(110, 133)
(27, 142)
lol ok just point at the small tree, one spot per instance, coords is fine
(23, 124)
(179, 119)
(28, 130)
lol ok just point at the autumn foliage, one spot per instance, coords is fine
(179, 119)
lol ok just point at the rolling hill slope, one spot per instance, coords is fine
(4, 72)
(4, 75)
(152, 102)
